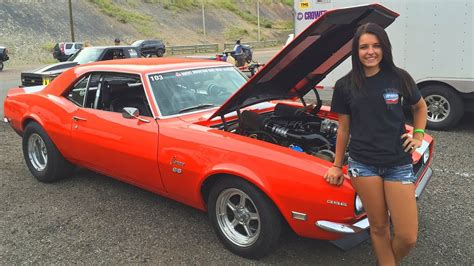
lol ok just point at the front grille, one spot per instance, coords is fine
(31, 80)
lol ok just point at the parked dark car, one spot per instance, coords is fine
(63, 50)
(3, 56)
(150, 47)
(44, 75)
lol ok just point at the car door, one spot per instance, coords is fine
(145, 47)
(107, 142)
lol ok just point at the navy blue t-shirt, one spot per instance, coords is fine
(377, 120)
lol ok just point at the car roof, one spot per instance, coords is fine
(110, 47)
(133, 65)
(151, 65)
(70, 42)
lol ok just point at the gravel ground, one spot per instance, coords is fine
(93, 219)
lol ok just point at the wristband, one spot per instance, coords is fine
(337, 166)
(419, 130)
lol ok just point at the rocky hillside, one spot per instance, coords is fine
(29, 28)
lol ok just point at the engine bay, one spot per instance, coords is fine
(293, 127)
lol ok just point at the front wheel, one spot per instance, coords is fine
(445, 106)
(1, 65)
(42, 157)
(245, 220)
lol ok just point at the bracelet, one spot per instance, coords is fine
(337, 166)
(419, 130)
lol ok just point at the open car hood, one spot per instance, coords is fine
(304, 62)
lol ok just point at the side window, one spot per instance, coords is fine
(68, 45)
(109, 55)
(78, 46)
(78, 93)
(114, 54)
(93, 92)
(121, 90)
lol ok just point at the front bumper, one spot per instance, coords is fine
(363, 224)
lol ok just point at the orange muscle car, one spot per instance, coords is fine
(246, 151)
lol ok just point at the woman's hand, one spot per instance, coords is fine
(334, 176)
(410, 144)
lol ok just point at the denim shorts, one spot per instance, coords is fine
(402, 173)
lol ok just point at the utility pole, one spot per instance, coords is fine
(258, 18)
(203, 21)
(71, 21)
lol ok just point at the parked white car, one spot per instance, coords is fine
(63, 50)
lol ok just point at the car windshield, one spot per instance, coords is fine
(86, 55)
(192, 90)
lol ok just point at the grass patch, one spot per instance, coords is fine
(235, 33)
(283, 25)
(176, 5)
(287, 2)
(231, 6)
(143, 23)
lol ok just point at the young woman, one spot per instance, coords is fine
(368, 101)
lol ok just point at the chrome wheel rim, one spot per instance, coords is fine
(438, 108)
(237, 217)
(37, 152)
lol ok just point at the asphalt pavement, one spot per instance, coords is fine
(93, 219)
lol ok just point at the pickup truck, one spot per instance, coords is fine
(44, 75)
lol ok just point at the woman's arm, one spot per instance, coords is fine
(334, 175)
(419, 122)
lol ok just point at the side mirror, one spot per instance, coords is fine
(132, 113)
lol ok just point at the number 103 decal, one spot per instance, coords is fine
(156, 77)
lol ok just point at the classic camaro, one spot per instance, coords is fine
(246, 151)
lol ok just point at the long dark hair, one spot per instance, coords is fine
(356, 77)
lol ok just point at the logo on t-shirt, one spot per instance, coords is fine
(391, 96)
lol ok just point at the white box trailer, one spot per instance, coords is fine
(432, 40)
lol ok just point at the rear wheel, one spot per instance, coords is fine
(1, 65)
(245, 220)
(42, 157)
(445, 106)
(160, 53)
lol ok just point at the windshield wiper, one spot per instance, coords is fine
(196, 107)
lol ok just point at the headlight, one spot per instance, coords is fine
(359, 208)
(426, 156)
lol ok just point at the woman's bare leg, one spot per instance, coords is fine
(371, 192)
(401, 203)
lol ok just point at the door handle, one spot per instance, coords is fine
(77, 118)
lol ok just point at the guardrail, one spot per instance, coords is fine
(214, 47)
(198, 48)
